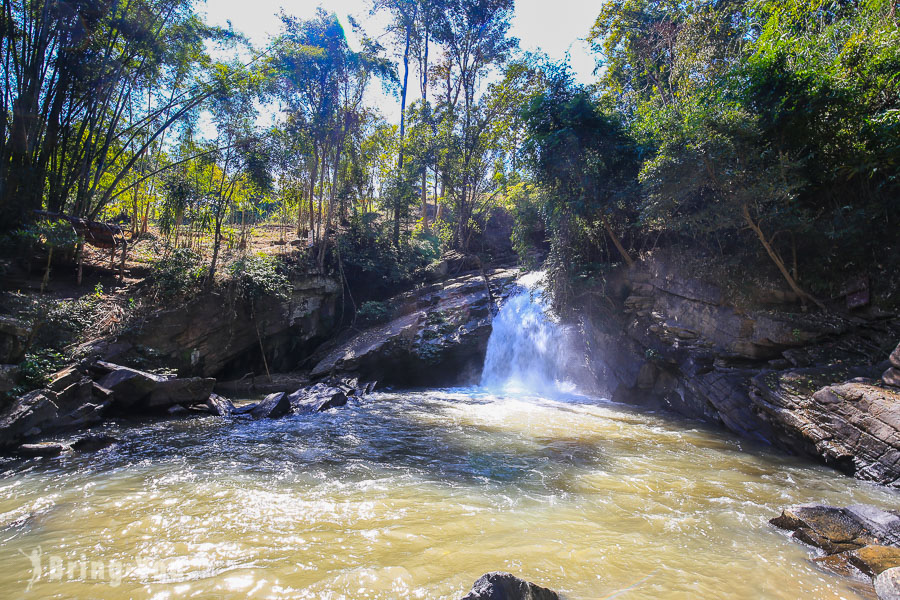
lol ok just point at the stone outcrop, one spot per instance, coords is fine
(75, 406)
(14, 336)
(217, 332)
(437, 335)
(862, 536)
(852, 426)
(812, 383)
(505, 586)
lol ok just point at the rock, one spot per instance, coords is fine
(872, 560)
(883, 525)
(8, 376)
(317, 398)
(887, 584)
(79, 405)
(93, 442)
(504, 586)
(141, 391)
(219, 405)
(854, 427)
(41, 449)
(63, 379)
(827, 527)
(891, 377)
(438, 335)
(262, 384)
(214, 332)
(14, 337)
(272, 406)
(246, 409)
(894, 358)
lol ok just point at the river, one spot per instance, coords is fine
(415, 494)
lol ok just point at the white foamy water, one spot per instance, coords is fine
(528, 351)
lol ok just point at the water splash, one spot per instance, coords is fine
(528, 352)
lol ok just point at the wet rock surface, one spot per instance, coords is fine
(864, 536)
(505, 586)
(437, 335)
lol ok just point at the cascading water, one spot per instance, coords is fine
(528, 351)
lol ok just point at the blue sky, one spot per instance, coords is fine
(554, 27)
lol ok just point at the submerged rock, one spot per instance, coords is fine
(94, 442)
(41, 449)
(505, 586)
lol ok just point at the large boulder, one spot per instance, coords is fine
(140, 391)
(505, 586)
(9, 374)
(437, 335)
(78, 405)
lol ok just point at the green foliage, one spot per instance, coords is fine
(36, 369)
(179, 274)
(259, 276)
(372, 313)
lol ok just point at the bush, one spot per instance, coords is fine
(258, 276)
(372, 313)
(35, 370)
(179, 274)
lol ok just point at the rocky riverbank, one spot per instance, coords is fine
(819, 385)
(856, 540)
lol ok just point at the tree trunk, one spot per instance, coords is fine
(777, 260)
(398, 198)
(615, 240)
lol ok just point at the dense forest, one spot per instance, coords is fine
(763, 133)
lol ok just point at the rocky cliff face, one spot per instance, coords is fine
(809, 383)
(436, 335)
(218, 334)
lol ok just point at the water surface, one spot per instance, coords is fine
(415, 495)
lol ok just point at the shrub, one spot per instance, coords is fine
(180, 273)
(258, 276)
(372, 313)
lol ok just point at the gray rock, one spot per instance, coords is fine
(505, 586)
(438, 335)
(887, 584)
(219, 405)
(41, 449)
(317, 398)
(14, 336)
(895, 357)
(891, 377)
(8, 376)
(272, 406)
(141, 391)
(885, 526)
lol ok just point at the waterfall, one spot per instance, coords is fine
(528, 351)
